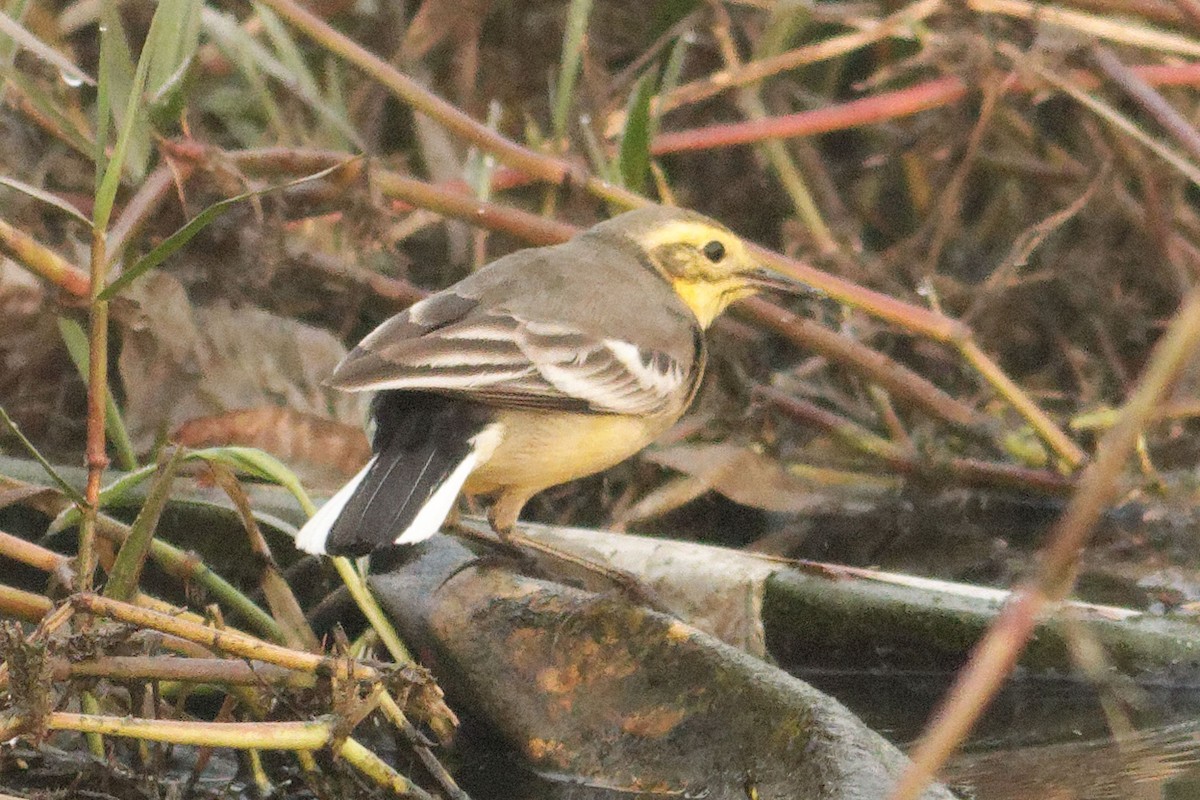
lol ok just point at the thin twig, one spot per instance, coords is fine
(1155, 105)
(996, 654)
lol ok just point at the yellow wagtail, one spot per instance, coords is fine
(547, 365)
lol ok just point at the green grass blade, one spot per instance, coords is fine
(246, 51)
(672, 71)
(634, 156)
(181, 237)
(109, 494)
(108, 75)
(172, 52)
(172, 41)
(127, 119)
(287, 51)
(127, 567)
(69, 490)
(610, 170)
(17, 33)
(45, 197)
(572, 56)
(258, 464)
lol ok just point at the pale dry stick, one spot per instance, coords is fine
(776, 152)
(994, 657)
(225, 640)
(1106, 112)
(1027, 242)
(1148, 97)
(756, 71)
(1110, 28)
(311, 735)
(544, 167)
(22, 605)
(298, 736)
(32, 554)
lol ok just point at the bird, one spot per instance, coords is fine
(546, 365)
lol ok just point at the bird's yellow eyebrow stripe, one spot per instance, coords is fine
(678, 231)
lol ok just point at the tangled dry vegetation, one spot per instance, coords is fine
(201, 204)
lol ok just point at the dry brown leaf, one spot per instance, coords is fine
(179, 363)
(741, 474)
(324, 452)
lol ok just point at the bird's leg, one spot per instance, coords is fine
(503, 518)
(498, 544)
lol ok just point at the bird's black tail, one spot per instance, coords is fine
(424, 451)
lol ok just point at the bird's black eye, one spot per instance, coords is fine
(714, 251)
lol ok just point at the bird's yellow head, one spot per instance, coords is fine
(707, 264)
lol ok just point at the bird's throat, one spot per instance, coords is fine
(707, 299)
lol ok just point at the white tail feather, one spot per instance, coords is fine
(315, 533)
(431, 516)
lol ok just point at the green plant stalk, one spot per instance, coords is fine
(264, 465)
(370, 608)
(77, 346)
(187, 567)
(95, 740)
(108, 177)
(377, 770)
(177, 562)
(239, 735)
(127, 568)
(97, 392)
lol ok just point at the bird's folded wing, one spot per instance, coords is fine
(503, 359)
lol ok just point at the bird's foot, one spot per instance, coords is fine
(629, 585)
(513, 546)
(498, 547)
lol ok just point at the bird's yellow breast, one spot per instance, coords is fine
(539, 449)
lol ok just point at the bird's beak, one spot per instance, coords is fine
(770, 280)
